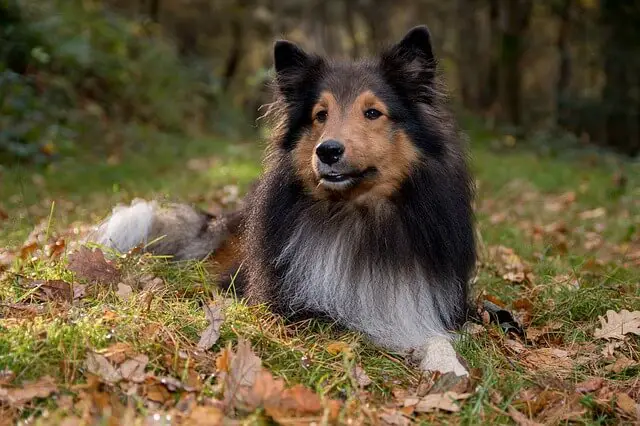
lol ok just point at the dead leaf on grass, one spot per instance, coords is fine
(520, 419)
(133, 369)
(617, 325)
(448, 401)
(590, 385)
(204, 416)
(335, 348)
(49, 290)
(91, 265)
(393, 418)
(549, 359)
(610, 348)
(361, 376)
(42, 388)
(536, 333)
(124, 291)
(243, 369)
(215, 315)
(627, 405)
(622, 363)
(118, 352)
(100, 366)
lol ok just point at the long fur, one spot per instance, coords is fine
(396, 270)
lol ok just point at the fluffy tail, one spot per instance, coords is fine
(176, 230)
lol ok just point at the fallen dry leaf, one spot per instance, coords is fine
(27, 250)
(617, 325)
(49, 290)
(627, 405)
(549, 359)
(610, 349)
(622, 363)
(361, 376)
(590, 385)
(215, 315)
(100, 366)
(393, 418)
(243, 369)
(520, 419)
(337, 347)
(534, 333)
(447, 401)
(133, 369)
(124, 291)
(204, 416)
(91, 265)
(118, 352)
(55, 249)
(563, 409)
(42, 388)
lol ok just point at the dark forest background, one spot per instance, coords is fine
(569, 68)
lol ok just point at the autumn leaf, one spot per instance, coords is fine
(91, 265)
(393, 418)
(215, 315)
(124, 291)
(335, 348)
(590, 385)
(628, 406)
(617, 325)
(549, 360)
(49, 290)
(243, 369)
(204, 416)
(118, 352)
(361, 376)
(133, 369)
(622, 363)
(42, 388)
(447, 401)
(100, 366)
(520, 419)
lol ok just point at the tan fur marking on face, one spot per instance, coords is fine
(304, 152)
(368, 143)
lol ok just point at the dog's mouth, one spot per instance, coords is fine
(342, 181)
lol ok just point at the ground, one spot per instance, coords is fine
(139, 339)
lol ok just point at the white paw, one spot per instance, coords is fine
(438, 355)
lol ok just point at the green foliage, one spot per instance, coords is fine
(70, 65)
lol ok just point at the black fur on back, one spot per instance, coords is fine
(429, 219)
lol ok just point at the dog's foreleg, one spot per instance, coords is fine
(438, 355)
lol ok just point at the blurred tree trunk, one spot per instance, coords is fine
(469, 75)
(515, 16)
(621, 53)
(490, 85)
(154, 10)
(235, 53)
(564, 66)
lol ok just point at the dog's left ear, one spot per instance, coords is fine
(410, 64)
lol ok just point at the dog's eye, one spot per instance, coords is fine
(372, 114)
(321, 116)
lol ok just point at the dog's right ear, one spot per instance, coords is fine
(289, 58)
(294, 68)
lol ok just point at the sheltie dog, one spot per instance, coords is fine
(363, 213)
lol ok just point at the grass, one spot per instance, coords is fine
(530, 203)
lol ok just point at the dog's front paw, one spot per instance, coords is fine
(438, 355)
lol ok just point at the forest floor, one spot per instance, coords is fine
(138, 340)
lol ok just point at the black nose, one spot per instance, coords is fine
(330, 151)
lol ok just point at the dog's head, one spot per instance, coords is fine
(356, 129)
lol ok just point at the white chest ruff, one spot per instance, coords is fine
(394, 306)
